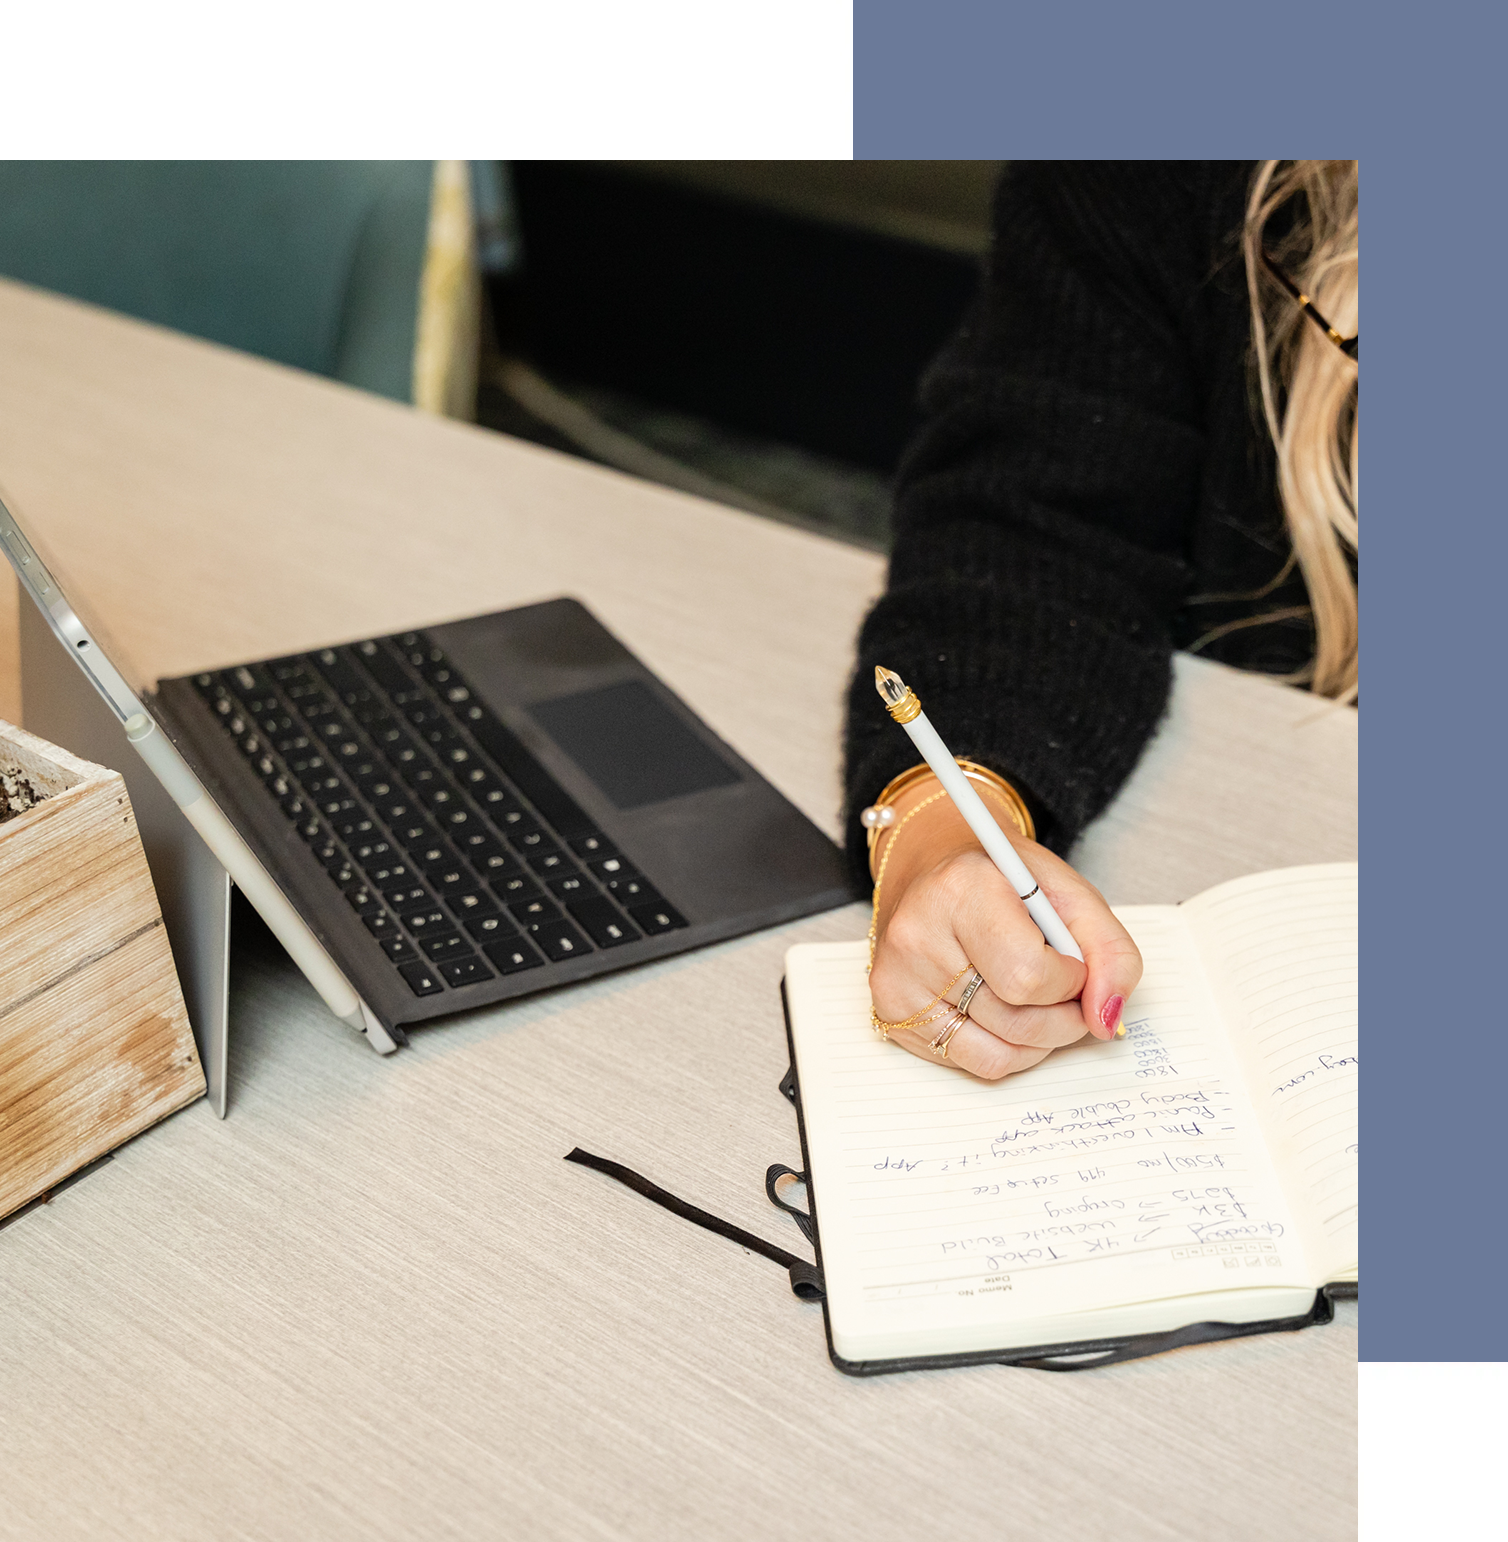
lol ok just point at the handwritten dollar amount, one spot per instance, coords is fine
(1149, 1054)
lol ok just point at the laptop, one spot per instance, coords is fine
(478, 810)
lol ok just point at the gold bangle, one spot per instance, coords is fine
(898, 786)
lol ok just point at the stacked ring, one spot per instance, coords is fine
(969, 992)
(939, 1045)
(928, 1015)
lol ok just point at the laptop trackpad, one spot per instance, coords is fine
(631, 745)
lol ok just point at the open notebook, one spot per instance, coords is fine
(1200, 1171)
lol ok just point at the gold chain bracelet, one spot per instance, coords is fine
(879, 878)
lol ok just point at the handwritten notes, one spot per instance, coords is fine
(1283, 951)
(1205, 1163)
(1111, 1172)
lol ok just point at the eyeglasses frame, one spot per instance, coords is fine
(1347, 345)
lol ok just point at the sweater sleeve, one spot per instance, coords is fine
(1043, 512)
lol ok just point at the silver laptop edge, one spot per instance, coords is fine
(188, 794)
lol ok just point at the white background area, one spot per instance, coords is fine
(565, 79)
(1432, 1449)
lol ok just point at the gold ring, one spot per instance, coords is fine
(937, 1007)
(939, 1045)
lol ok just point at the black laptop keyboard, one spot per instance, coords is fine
(462, 855)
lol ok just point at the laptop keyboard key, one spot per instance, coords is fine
(602, 921)
(655, 919)
(632, 890)
(471, 902)
(514, 886)
(450, 879)
(425, 923)
(447, 945)
(398, 949)
(531, 911)
(491, 928)
(381, 925)
(457, 822)
(439, 798)
(421, 774)
(513, 955)
(415, 833)
(590, 847)
(465, 971)
(412, 896)
(422, 979)
(559, 940)
(434, 854)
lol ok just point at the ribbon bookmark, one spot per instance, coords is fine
(806, 1279)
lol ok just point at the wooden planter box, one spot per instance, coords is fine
(94, 1040)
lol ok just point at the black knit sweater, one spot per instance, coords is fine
(1090, 487)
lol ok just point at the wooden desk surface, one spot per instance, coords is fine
(375, 1302)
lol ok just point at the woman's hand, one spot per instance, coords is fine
(944, 906)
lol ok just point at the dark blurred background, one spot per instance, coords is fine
(759, 325)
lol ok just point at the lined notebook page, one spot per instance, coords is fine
(1281, 951)
(956, 1214)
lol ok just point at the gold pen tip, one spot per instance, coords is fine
(1120, 1030)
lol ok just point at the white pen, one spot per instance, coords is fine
(902, 704)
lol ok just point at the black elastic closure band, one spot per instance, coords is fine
(802, 1218)
(806, 1280)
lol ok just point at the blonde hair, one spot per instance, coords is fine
(1309, 393)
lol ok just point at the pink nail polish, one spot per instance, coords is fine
(1110, 1014)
